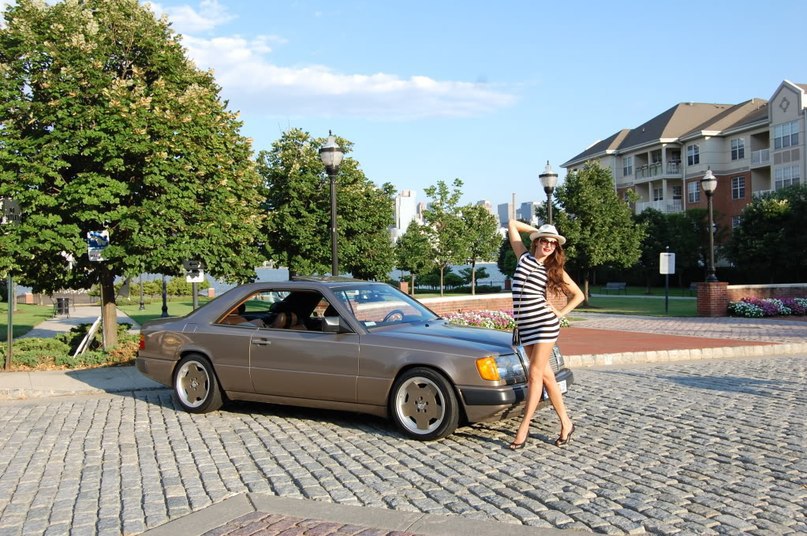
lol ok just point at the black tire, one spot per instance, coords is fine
(196, 387)
(423, 404)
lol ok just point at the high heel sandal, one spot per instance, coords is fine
(516, 446)
(561, 441)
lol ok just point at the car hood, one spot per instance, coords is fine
(449, 337)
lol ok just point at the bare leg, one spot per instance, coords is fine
(556, 398)
(540, 375)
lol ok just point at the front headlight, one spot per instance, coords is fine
(507, 368)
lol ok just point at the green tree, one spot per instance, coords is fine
(413, 252)
(769, 243)
(108, 125)
(599, 226)
(297, 232)
(445, 227)
(481, 235)
(506, 261)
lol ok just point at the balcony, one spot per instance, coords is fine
(675, 168)
(648, 171)
(760, 193)
(761, 157)
(665, 207)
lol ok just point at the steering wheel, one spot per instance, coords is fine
(396, 315)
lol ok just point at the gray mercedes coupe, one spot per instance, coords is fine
(340, 344)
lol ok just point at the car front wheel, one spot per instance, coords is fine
(423, 404)
(196, 387)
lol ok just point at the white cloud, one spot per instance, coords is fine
(186, 19)
(252, 82)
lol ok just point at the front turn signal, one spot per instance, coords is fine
(488, 369)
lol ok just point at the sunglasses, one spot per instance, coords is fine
(548, 242)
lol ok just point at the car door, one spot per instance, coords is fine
(305, 363)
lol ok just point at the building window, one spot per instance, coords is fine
(677, 192)
(738, 187)
(735, 222)
(693, 192)
(658, 194)
(786, 135)
(693, 155)
(785, 176)
(737, 149)
(627, 166)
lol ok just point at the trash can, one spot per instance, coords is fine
(63, 306)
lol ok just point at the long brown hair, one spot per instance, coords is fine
(554, 264)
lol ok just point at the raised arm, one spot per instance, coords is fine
(514, 230)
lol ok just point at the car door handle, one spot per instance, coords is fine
(261, 342)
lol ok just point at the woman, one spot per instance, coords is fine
(538, 270)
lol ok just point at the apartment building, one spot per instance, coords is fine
(753, 147)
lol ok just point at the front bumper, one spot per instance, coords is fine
(483, 405)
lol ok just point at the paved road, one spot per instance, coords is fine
(710, 447)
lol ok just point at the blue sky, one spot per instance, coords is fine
(480, 90)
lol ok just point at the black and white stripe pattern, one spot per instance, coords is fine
(536, 321)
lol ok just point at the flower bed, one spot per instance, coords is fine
(502, 320)
(761, 307)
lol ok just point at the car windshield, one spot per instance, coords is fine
(382, 305)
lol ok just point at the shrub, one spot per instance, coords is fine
(53, 353)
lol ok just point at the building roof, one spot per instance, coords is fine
(609, 144)
(683, 120)
(732, 117)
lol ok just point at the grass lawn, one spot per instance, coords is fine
(176, 307)
(640, 305)
(24, 318)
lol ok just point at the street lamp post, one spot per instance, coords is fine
(331, 156)
(9, 215)
(142, 301)
(709, 184)
(548, 180)
(165, 298)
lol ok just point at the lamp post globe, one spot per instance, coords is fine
(548, 180)
(331, 156)
(709, 184)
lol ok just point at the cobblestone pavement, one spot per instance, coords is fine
(714, 447)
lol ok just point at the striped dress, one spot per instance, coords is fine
(535, 320)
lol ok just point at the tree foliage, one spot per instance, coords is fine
(413, 252)
(297, 232)
(598, 225)
(770, 243)
(445, 227)
(680, 232)
(107, 125)
(481, 236)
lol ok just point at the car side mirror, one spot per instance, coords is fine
(332, 324)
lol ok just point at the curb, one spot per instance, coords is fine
(281, 515)
(696, 354)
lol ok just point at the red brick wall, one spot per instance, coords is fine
(713, 299)
(738, 292)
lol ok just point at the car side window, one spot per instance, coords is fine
(298, 310)
(251, 312)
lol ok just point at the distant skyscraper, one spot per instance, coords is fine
(506, 213)
(407, 210)
(527, 212)
(488, 205)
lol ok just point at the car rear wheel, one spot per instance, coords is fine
(196, 387)
(423, 404)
